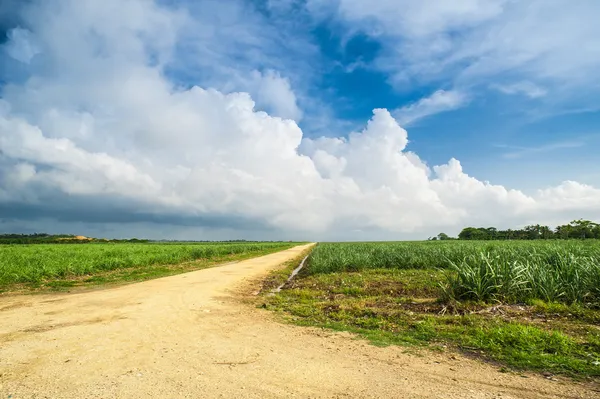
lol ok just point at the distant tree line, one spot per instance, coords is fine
(31, 238)
(577, 229)
(43, 238)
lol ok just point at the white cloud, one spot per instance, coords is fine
(418, 19)
(439, 101)
(552, 44)
(272, 93)
(103, 127)
(519, 152)
(230, 46)
(20, 46)
(528, 89)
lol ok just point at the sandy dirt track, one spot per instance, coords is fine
(191, 336)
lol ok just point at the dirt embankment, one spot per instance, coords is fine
(189, 336)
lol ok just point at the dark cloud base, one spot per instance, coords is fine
(110, 211)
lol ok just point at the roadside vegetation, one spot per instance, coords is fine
(532, 305)
(64, 266)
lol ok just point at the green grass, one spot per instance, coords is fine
(371, 289)
(66, 265)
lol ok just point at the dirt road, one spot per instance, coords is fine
(190, 336)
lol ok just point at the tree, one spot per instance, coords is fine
(546, 232)
(564, 231)
(491, 233)
(467, 233)
(577, 229)
(533, 232)
(473, 233)
(583, 228)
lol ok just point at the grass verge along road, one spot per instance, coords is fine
(527, 306)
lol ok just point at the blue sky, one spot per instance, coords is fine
(506, 138)
(155, 107)
(501, 134)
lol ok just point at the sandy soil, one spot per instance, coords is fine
(190, 336)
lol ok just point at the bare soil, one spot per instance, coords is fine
(195, 335)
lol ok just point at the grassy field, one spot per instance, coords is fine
(505, 271)
(67, 265)
(527, 305)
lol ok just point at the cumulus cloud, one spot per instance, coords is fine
(100, 132)
(273, 93)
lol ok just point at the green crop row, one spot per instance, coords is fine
(504, 271)
(40, 262)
